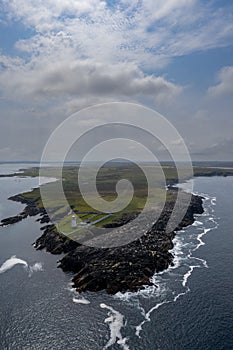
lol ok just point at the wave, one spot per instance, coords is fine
(115, 320)
(13, 261)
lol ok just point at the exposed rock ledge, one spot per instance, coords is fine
(31, 209)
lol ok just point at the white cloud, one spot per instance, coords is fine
(225, 83)
(85, 79)
(86, 47)
(147, 32)
(163, 9)
(10, 63)
(43, 15)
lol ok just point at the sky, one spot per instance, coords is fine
(59, 56)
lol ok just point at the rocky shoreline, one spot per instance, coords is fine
(119, 269)
(31, 209)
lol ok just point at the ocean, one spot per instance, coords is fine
(190, 309)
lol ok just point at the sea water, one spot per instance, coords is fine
(190, 306)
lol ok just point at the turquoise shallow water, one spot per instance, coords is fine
(190, 309)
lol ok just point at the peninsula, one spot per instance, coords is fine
(123, 268)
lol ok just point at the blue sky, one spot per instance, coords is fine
(199, 69)
(172, 55)
(10, 33)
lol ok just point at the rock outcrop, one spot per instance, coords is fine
(31, 209)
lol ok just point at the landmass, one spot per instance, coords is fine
(118, 269)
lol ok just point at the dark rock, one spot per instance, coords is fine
(54, 242)
(11, 220)
(31, 209)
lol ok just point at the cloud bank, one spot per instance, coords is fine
(75, 53)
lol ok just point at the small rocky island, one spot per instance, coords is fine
(119, 269)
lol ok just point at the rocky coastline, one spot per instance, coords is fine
(31, 209)
(119, 269)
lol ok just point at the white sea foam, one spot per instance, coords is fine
(76, 298)
(157, 289)
(147, 316)
(81, 301)
(197, 223)
(37, 267)
(177, 251)
(13, 261)
(188, 274)
(213, 201)
(10, 263)
(203, 262)
(199, 238)
(115, 320)
(71, 288)
(212, 219)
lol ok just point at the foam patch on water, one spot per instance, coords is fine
(147, 316)
(13, 261)
(213, 201)
(10, 263)
(115, 320)
(81, 301)
(76, 298)
(197, 223)
(188, 274)
(37, 267)
(199, 238)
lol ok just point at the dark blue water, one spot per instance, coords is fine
(191, 309)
